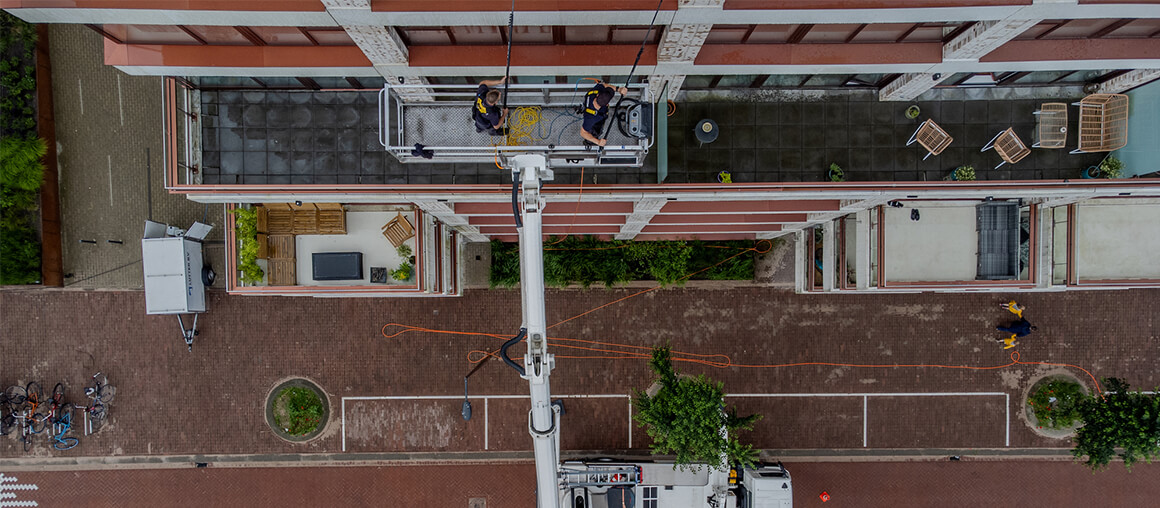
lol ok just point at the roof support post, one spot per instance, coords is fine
(1130, 80)
(380, 44)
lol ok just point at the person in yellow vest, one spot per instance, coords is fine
(596, 112)
(485, 112)
(1014, 307)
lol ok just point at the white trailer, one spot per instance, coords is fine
(175, 274)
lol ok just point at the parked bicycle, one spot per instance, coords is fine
(15, 395)
(96, 416)
(55, 401)
(8, 415)
(101, 390)
(61, 426)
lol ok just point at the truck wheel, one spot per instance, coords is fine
(207, 275)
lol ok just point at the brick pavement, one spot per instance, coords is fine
(864, 485)
(173, 402)
(109, 146)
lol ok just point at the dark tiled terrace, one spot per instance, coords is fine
(332, 137)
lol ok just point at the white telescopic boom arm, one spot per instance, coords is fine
(544, 417)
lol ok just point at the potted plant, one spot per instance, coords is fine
(963, 173)
(912, 112)
(1111, 167)
(835, 173)
(403, 272)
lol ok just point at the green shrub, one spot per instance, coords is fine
(1124, 420)
(404, 251)
(1111, 167)
(587, 260)
(403, 272)
(1054, 403)
(21, 163)
(687, 416)
(965, 173)
(246, 230)
(303, 410)
(19, 256)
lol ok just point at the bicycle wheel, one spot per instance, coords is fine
(64, 416)
(97, 415)
(27, 438)
(65, 443)
(15, 395)
(33, 392)
(106, 393)
(58, 393)
(37, 423)
(7, 423)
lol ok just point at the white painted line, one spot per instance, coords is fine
(1008, 440)
(485, 424)
(457, 397)
(344, 424)
(81, 96)
(120, 100)
(111, 181)
(630, 423)
(865, 413)
(866, 394)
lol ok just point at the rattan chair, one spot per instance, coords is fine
(1052, 125)
(932, 137)
(1010, 148)
(1103, 123)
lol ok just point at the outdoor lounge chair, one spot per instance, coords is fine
(932, 137)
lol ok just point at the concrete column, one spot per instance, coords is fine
(862, 248)
(381, 44)
(1125, 82)
(642, 213)
(829, 256)
(679, 46)
(968, 46)
(442, 210)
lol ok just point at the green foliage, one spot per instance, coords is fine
(1128, 421)
(687, 418)
(1111, 167)
(17, 77)
(586, 260)
(19, 256)
(965, 173)
(21, 163)
(836, 174)
(404, 251)
(1054, 403)
(403, 272)
(303, 410)
(246, 230)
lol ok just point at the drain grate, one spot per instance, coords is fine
(477, 502)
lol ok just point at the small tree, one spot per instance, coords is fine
(688, 418)
(1121, 419)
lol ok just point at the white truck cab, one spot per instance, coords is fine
(614, 484)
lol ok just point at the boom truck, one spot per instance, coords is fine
(604, 483)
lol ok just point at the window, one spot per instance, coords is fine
(650, 498)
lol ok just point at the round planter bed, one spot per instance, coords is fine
(1029, 410)
(301, 424)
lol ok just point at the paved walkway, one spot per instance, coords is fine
(949, 484)
(109, 150)
(210, 402)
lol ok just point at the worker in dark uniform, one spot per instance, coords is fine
(485, 112)
(596, 112)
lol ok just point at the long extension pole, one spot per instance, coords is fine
(647, 36)
(508, 71)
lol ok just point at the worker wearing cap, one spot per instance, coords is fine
(596, 112)
(485, 113)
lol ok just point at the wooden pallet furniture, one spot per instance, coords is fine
(932, 137)
(1009, 147)
(1103, 123)
(305, 218)
(331, 219)
(398, 230)
(1052, 129)
(279, 218)
(282, 265)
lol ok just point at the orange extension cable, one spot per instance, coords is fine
(617, 351)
